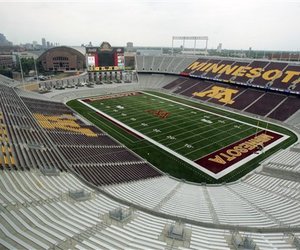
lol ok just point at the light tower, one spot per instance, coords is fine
(193, 38)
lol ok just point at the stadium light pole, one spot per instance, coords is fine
(36, 72)
(22, 75)
(172, 45)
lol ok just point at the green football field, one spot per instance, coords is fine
(190, 130)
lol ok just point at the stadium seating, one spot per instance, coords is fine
(267, 104)
(154, 81)
(7, 81)
(157, 60)
(174, 84)
(281, 76)
(96, 153)
(27, 146)
(39, 214)
(264, 105)
(286, 160)
(286, 109)
(237, 204)
(163, 64)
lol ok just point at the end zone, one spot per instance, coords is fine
(229, 156)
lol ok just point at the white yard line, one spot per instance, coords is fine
(114, 130)
(204, 132)
(207, 145)
(208, 137)
(212, 113)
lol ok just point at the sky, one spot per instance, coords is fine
(237, 24)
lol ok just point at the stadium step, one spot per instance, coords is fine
(210, 205)
(168, 197)
(282, 174)
(14, 232)
(286, 195)
(259, 209)
(8, 239)
(252, 103)
(278, 105)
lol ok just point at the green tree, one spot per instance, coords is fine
(27, 65)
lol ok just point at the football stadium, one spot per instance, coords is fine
(138, 151)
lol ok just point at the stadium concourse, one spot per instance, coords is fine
(59, 192)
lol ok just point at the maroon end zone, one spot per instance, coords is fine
(111, 96)
(226, 157)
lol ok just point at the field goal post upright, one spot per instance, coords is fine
(191, 38)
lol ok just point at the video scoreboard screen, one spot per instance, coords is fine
(105, 58)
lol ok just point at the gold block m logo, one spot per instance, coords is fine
(224, 95)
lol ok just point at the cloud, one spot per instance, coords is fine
(260, 24)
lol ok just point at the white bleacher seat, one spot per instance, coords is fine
(16, 239)
(24, 234)
(39, 225)
(33, 230)
(54, 221)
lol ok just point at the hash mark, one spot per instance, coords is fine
(156, 130)
(171, 137)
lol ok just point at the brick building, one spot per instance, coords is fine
(62, 59)
(7, 61)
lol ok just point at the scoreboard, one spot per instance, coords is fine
(105, 58)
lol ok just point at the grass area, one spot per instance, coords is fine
(189, 132)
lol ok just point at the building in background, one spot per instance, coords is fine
(44, 43)
(7, 61)
(129, 47)
(4, 41)
(63, 58)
